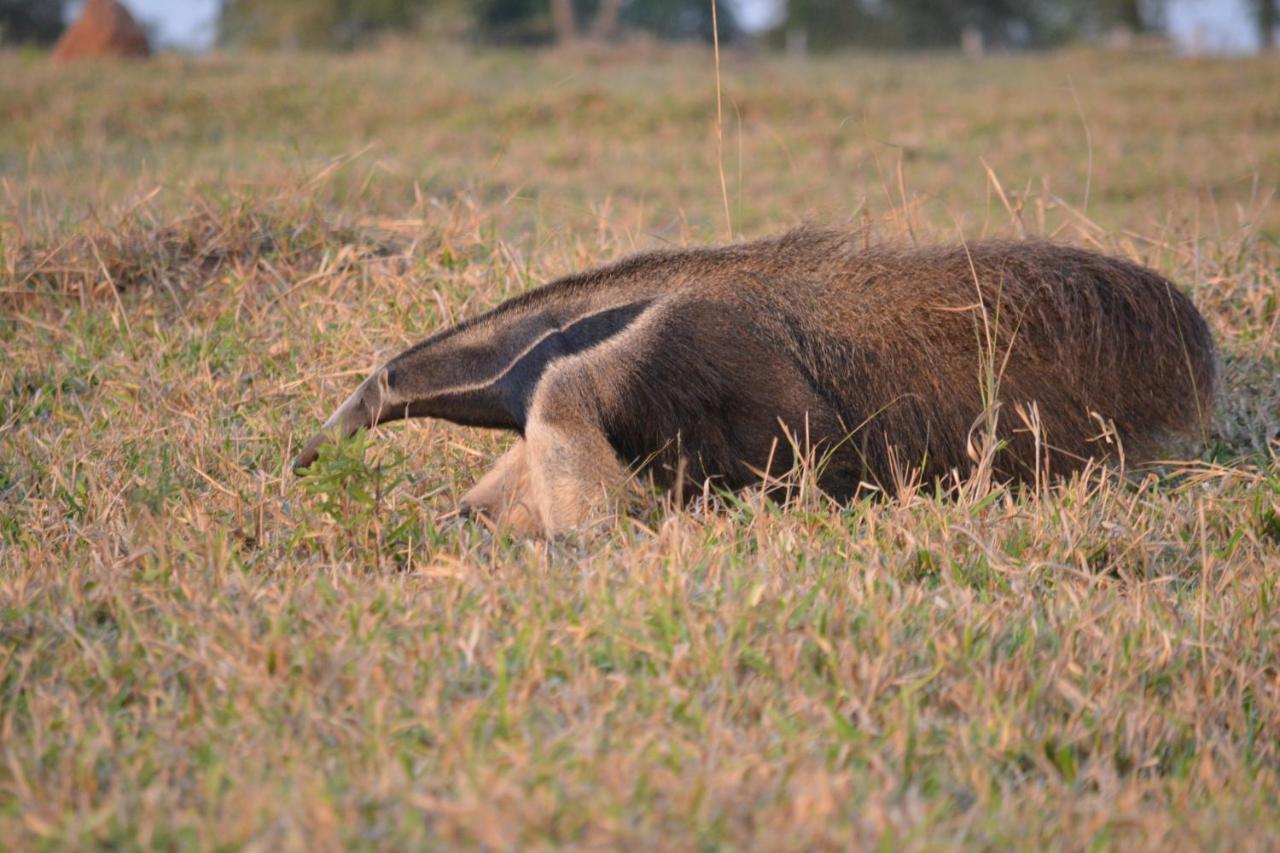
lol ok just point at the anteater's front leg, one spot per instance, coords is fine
(574, 474)
(503, 494)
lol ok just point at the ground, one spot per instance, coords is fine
(199, 258)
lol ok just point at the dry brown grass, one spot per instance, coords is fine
(198, 650)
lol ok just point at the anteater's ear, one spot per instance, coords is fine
(362, 409)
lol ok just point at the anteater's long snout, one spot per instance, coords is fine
(361, 409)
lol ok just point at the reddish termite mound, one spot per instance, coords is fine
(105, 28)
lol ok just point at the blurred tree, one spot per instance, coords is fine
(941, 23)
(562, 20)
(519, 21)
(1135, 15)
(344, 23)
(534, 21)
(1267, 15)
(30, 21)
(681, 19)
(314, 23)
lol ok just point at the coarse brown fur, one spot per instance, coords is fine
(713, 364)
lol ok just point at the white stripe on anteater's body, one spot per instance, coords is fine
(483, 374)
(708, 361)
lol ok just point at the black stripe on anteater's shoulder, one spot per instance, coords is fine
(516, 386)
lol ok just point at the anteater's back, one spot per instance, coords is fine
(904, 348)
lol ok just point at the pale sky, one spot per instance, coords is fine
(1213, 26)
(1216, 26)
(187, 24)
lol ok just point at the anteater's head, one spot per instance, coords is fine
(371, 404)
(450, 377)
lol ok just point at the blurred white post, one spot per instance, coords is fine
(797, 42)
(972, 42)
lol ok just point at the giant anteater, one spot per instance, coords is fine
(718, 364)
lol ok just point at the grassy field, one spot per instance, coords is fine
(199, 258)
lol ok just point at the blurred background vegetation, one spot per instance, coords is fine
(799, 25)
(30, 21)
